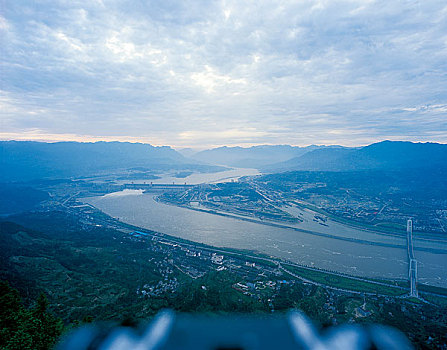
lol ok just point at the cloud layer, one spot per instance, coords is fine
(204, 73)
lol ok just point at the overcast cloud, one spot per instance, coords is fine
(206, 73)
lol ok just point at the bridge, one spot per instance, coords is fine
(158, 187)
(412, 262)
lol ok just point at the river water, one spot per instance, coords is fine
(198, 178)
(373, 255)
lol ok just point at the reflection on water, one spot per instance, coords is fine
(125, 192)
(323, 252)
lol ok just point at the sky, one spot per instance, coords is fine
(201, 74)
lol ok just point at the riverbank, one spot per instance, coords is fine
(385, 261)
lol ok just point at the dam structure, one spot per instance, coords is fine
(154, 187)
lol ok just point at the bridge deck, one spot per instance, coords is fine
(412, 262)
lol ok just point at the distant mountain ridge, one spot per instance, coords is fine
(255, 156)
(385, 155)
(27, 160)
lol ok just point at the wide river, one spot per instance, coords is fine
(335, 247)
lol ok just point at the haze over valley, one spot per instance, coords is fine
(330, 197)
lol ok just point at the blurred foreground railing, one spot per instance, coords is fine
(185, 331)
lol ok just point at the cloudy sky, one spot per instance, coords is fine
(208, 73)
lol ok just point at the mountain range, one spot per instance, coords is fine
(28, 160)
(385, 155)
(253, 157)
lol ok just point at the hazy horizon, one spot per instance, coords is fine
(198, 149)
